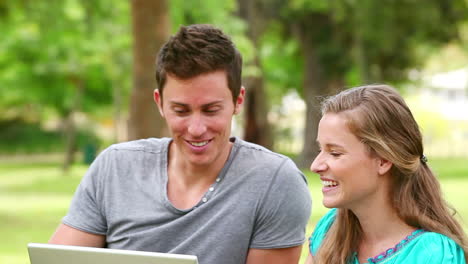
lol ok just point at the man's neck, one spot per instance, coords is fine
(194, 174)
(187, 183)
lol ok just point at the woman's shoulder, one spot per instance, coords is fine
(321, 229)
(437, 248)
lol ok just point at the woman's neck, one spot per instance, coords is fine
(382, 229)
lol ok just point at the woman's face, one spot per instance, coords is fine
(350, 175)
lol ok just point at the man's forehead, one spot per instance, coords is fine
(175, 77)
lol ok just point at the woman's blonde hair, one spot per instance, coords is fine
(380, 118)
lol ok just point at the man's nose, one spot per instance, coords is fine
(196, 126)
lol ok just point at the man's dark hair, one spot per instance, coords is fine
(199, 49)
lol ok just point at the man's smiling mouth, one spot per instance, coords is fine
(199, 144)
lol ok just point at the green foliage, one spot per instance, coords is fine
(218, 13)
(54, 47)
(308, 5)
(21, 137)
(49, 48)
(18, 136)
(202, 12)
(379, 40)
(404, 26)
(282, 66)
(391, 32)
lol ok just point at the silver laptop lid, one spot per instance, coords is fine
(60, 254)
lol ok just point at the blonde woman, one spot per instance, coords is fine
(387, 203)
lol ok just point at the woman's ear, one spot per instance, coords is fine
(384, 166)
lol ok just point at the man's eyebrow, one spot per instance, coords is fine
(203, 106)
(179, 104)
(212, 103)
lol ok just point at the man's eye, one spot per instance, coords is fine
(212, 110)
(179, 110)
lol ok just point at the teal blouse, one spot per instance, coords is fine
(419, 247)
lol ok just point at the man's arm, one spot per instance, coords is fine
(66, 235)
(274, 256)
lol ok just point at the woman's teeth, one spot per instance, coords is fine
(329, 183)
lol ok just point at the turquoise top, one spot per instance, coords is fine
(419, 247)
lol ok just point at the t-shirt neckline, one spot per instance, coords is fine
(211, 190)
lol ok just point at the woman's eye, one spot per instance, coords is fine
(335, 154)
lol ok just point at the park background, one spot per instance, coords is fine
(78, 75)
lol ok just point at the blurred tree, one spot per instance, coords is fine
(381, 40)
(150, 31)
(58, 57)
(257, 128)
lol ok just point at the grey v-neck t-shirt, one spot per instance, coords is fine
(259, 200)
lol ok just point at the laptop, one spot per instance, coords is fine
(61, 254)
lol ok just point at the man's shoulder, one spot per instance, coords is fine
(149, 145)
(254, 157)
(259, 151)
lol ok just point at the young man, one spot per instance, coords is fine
(200, 192)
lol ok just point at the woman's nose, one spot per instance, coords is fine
(318, 165)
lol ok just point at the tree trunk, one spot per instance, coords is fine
(257, 128)
(70, 141)
(150, 31)
(316, 85)
(361, 58)
(360, 42)
(69, 127)
(117, 105)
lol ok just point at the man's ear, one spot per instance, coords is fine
(239, 100)
(384, 166)
(158, 100)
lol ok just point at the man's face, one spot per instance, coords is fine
(199, 112)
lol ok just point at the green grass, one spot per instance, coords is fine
(33, 199)
(450, 168)
(34, 196)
